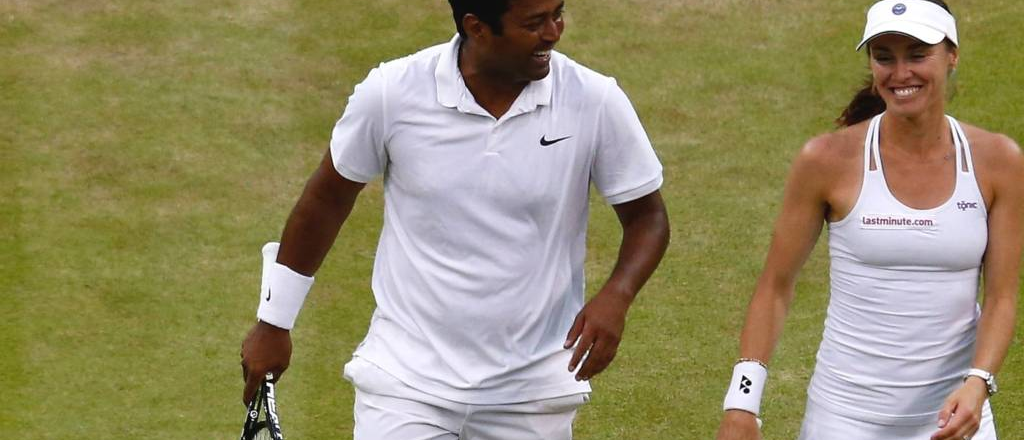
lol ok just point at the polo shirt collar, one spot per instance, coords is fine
(452, 91)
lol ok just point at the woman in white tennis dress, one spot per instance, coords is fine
(919, 209)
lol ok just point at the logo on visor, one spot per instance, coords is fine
(899, 9)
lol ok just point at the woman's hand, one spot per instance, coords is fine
(960, 415)
(738, 425)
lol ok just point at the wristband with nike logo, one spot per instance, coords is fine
(282, 290)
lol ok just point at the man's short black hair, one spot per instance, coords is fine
(488, 11)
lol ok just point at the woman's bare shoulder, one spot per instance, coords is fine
(834, 151)
(994, 152)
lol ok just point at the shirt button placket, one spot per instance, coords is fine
(492, 139)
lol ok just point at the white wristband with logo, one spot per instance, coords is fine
(746, 387)
(282, 290)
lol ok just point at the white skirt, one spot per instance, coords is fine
(821, 424)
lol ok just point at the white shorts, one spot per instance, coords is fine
(822, 424)
(387, 409)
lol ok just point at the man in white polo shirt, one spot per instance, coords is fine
(488, 145)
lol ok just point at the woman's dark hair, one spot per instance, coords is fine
(866, 103)
(488, 11)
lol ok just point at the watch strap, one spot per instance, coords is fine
(989, 378)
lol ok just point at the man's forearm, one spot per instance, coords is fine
(314, 222)
(645, 236)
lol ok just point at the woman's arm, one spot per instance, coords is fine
(1001, 263)
(804, 207)
(1002, 166)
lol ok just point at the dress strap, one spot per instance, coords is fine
(871, 145)
(963, 147)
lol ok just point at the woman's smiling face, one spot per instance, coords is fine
(910, 75)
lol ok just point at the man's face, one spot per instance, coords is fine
(523, 51)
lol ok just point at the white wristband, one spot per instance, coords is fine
(282, 290)
(746, 387)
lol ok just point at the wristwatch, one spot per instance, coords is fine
(989, 378)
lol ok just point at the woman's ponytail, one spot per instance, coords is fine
(864, 105)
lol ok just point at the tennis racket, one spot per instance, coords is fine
(261, 421)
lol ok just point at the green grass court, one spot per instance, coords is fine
(149, 148)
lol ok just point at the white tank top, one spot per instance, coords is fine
(900, 330)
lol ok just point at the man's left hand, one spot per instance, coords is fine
(596, 333)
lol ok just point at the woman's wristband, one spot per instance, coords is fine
(747, 386)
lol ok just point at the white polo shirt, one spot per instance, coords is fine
(479, 269)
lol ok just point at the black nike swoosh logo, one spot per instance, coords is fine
(268, 294)
(544, 142)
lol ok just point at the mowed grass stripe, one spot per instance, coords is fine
(13, 270)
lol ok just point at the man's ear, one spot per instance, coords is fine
(475, 28)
